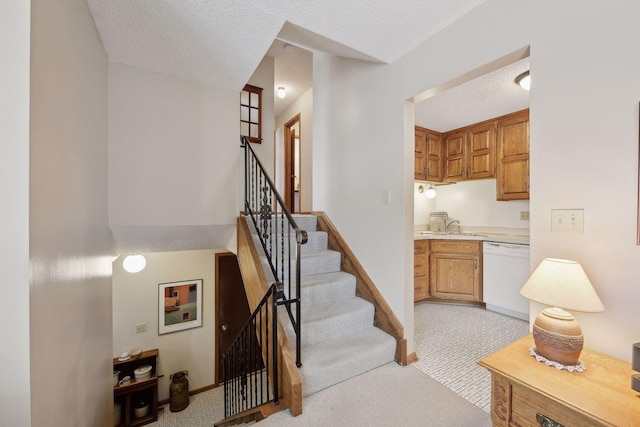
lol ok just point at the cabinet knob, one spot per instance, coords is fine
(224, 327)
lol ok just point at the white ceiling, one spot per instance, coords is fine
(221, 42)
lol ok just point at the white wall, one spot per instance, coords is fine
(584, 145)
(135, 300)
(473, 203)
(71, 246)
(304, 106)
(174, 150)
(15, 21)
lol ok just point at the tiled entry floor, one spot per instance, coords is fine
(450, 339)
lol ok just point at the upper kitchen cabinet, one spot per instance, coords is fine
(481, 157)
(428, 155)
(512, 181)
(455, 155)
(470, 152)
(420, 154)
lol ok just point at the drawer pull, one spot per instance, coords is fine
(545, 421)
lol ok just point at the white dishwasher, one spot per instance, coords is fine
(505, 268)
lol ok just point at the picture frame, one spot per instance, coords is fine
(179, 306)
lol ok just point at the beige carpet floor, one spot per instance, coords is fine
(390, 395)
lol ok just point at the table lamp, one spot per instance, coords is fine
(563, 285)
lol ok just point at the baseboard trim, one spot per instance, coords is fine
(191, 393)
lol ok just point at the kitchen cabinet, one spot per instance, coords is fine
(512, 181)
(481, 156)
(420, 270)
(144, 389)
(454, 153)
(470, 152)
(428, 155)
(455, 269)
(420, 154)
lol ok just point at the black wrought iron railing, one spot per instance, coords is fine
(252, 360)
(280, 236)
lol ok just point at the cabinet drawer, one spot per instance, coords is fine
(420, 288)
(420, 247)
(420, 265)
(456, 246)
(526, 405)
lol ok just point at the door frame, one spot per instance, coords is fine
(216, 320)
(289, 163)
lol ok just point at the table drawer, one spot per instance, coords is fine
(528, 407)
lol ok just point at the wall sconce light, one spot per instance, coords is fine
(281, 92)
(524, 81)
(134, 263)
(429, 192)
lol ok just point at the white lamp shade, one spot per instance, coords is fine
(562, 283)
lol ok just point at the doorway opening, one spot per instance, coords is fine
(292, 192)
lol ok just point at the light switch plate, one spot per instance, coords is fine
(569, 221)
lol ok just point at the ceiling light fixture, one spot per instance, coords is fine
(524, 80)
(134, 263)
(281, 92)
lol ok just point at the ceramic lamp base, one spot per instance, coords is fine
(558, 336)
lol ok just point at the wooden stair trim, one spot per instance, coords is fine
(384, 318)
(254, 414)
(255, 284)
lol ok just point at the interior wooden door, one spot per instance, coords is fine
(291, 160)
(232, 308)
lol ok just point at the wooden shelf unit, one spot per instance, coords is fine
(126, 394)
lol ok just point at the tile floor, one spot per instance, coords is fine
(450, 339)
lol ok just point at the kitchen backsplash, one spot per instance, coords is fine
(473, 203)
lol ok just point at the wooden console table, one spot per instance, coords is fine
(527, 393)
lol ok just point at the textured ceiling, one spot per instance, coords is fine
(221, 42)
(491, 95)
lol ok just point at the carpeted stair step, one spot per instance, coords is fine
(325, 288)
(311, 264)
(316, 242)
(336, 360)
(333, 320)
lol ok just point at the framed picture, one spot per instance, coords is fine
(179, 306)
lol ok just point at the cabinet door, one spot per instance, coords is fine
(513, 157)
(454, 276)
(454, 153)
(420, 154)
(434, 157)
(481, 157)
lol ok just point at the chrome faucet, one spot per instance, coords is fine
(447, 224)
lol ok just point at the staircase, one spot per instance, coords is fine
(338, 339)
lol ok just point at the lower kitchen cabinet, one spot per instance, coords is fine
(455, 268)
(420, 270)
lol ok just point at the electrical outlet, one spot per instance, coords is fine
(141, 327)
(524, 216)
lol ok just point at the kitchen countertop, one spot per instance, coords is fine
(490, 235)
